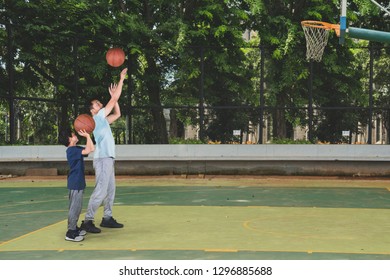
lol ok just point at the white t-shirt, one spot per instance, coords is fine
(105, 143)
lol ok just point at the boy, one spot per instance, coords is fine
(76, 179)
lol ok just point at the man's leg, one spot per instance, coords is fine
(108, 220)
(109, 200)
(100, 191)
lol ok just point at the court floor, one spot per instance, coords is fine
(187, 218)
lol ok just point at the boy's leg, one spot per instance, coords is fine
(75, 206)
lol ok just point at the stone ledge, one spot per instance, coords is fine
(41, 172)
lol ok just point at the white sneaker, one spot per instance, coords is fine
(73, 235)
(81, 232)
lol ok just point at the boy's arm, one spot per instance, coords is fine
(116, 113)
(89, 147)
(115, 91)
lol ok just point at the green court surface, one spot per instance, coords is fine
(274, 218)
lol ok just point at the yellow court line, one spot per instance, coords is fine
(221, 250)
(33, 202)
(32, 212)
(28, 234)
(61, 247)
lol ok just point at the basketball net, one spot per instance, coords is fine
(316, 34)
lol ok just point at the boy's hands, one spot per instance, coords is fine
(83, 133)
(90, 147)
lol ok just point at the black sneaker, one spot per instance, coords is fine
(110, 223)
(73, 235)
(89, 226)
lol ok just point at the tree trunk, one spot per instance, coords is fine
(153, 86)
(279, 124)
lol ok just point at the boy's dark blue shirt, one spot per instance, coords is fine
(76, 177)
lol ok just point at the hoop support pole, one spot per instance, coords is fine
(343, 21)
(368, 34)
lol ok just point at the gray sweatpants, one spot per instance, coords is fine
(75, 206)
(104, 192)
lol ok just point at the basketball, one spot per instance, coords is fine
(84, 121)
(115, 57)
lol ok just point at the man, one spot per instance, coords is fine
(104, 159)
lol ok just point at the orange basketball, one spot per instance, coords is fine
(115, 57)
(84, 121)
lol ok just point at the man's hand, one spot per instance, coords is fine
(123, 74)
(115, 91)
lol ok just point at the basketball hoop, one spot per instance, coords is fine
(316, 34)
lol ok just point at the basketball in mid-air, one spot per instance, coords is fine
(84, 121)
(115, 57)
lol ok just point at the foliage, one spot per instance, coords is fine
(289, 141)
(190, 57)
(185, 141)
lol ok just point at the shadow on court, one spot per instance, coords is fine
(204, 218)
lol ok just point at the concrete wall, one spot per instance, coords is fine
(267, 159)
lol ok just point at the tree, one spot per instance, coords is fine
(45, 43)
(334, 79)
(370, 16)
(213, 64)
(278, 26)
(168, 57)
(188, 56)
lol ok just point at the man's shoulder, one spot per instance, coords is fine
(101, 112)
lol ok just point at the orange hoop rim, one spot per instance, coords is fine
(322, 25)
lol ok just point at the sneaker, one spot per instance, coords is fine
(110, 223)
(89, 226)
(72, 235)
(82, 232)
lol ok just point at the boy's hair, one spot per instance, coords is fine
(88, 105)
(63, 137)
